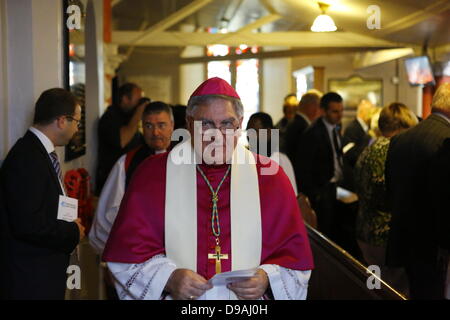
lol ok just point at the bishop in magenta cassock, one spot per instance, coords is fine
(225, 209)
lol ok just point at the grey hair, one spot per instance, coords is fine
(194, 102)
(309, 98)
(441, 99)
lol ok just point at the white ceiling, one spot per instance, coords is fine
(279, 22)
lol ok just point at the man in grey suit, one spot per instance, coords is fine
(413, 242)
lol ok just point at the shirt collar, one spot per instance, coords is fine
(304, 117)
(363, 124)
(441, 115)
(160, 151)
(329, 126)
(46, 142)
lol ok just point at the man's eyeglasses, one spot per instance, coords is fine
(73, 119)
(225, 125)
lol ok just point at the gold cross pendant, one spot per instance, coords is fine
(218, 257)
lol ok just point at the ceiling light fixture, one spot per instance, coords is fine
(323, 23)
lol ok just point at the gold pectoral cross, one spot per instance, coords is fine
(218, 257)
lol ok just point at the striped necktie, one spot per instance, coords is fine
(337, 145)
(56, 165)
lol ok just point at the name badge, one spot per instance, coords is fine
(67, 209)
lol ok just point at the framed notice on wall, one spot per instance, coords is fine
(75, 68)
(356, 88)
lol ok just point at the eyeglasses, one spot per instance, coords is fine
(73, 119)
(225, 125)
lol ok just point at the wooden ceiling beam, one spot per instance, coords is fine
(277, 54)
(304, 39)
(414, 18)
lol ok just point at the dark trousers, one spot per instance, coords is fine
(427, 279)
(324, 203)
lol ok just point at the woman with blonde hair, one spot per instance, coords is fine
(372, 223)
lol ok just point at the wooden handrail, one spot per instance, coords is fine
(326, 250)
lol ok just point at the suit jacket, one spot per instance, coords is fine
(356, 134)
(314, 160)
(439, 179)
(412, 233)
(293, 136)
(35, 246)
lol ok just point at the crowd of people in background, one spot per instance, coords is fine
(393, 163)
(379, 185)
(398, 216)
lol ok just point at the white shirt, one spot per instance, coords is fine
(337, 166)
(49, 147)
(363, 124)
(46, 142)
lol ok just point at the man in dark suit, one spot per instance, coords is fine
(440, 184)
(307, 112)
(357, 132)
(289, 109)
(35, 245)
(319, 161)
(413, 242)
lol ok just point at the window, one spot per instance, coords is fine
(304, 79)
(219, 69)
(247, 75)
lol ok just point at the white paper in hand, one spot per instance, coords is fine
(67, 209)
(347, 147)
(223, 279)
(345, 195)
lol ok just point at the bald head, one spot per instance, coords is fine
(365, 110)
(310, 105)
(441, 99)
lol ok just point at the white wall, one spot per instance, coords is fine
(47, 45)
(31, 55)
(155, 72)
(18, 69)
(31, 61)
(3, 120)
(191, 75)
(276, 84)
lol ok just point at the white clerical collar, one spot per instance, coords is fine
(363, 124)
(46, 142)
(181, 209)
(304, 116)
(160, 151)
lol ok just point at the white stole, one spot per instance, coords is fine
(181, 210)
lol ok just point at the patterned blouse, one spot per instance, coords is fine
(372, 222)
